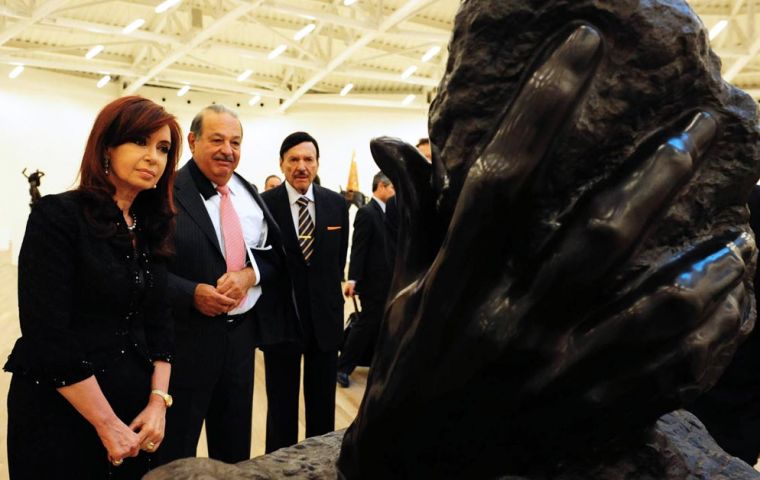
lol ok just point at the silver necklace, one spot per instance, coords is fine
(132, 227)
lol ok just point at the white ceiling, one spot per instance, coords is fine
(207, 44)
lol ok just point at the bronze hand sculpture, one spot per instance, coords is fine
(515, 341)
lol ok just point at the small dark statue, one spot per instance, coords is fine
(576, 262)
(35, 179)
(354, 198)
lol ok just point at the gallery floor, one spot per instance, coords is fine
(346, 404)
(347, 399)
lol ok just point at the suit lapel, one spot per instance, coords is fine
(187, 195)
(377, 207)
(281, 210)
(320, 223)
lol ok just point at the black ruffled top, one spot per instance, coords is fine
(86, 295)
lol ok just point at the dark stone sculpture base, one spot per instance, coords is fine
(679, 449)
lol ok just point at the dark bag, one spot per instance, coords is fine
(366, 357)
(352, 318)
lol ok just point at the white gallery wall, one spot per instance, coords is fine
(45, 119)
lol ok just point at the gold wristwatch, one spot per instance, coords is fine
(167, 398)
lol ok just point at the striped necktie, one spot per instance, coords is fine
(305, 229)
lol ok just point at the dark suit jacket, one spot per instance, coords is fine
(369, 264)
(78, 304)
(199, 259)
(317, 285)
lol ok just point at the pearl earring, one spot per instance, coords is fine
(106, 165)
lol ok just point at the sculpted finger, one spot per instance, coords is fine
(420, 230)
(695, 296)
(672, 301)
(539, 113)
(656, 377)
(522, 140)
(691, 364)
(616, 219)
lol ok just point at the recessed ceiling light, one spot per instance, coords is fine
(91, 53)
(133, 26)
(16, 71)
(409, 71)
(304, 31)
(432, 52)
(243, 76)
(408, 99)
(715, 31)
(346, 89)
(254, 100)
(277, 52)
(104, 81)
(166, 5)
(183, 90)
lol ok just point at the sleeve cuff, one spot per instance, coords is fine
(255, 267)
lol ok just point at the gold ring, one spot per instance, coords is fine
(150, 446)
(118, 462)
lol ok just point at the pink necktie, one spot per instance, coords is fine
(232, 232)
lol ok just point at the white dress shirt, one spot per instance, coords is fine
(379, 202)
(254, 231)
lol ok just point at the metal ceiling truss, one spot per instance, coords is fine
(207, 43)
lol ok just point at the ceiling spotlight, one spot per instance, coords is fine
(182, 91)
(277, 52)
(432, 52)
(409, 71)
(348, 3)
(133, 26)
(254, 100)
(104, 81)
(346, 89)
(166, 5)
(408, 99)
(715, 31)
(93, 52)
(304, 31)
(243, 76)
(16, 71)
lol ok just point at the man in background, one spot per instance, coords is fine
(423, 145)
(271, 182)
(369, 273)
(314, 223)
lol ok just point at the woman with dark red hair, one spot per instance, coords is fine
(91, 369)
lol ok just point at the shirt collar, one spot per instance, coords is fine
(294, 195)
(380, 202)
(206, 187)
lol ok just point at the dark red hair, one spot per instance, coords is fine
(121, 121)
